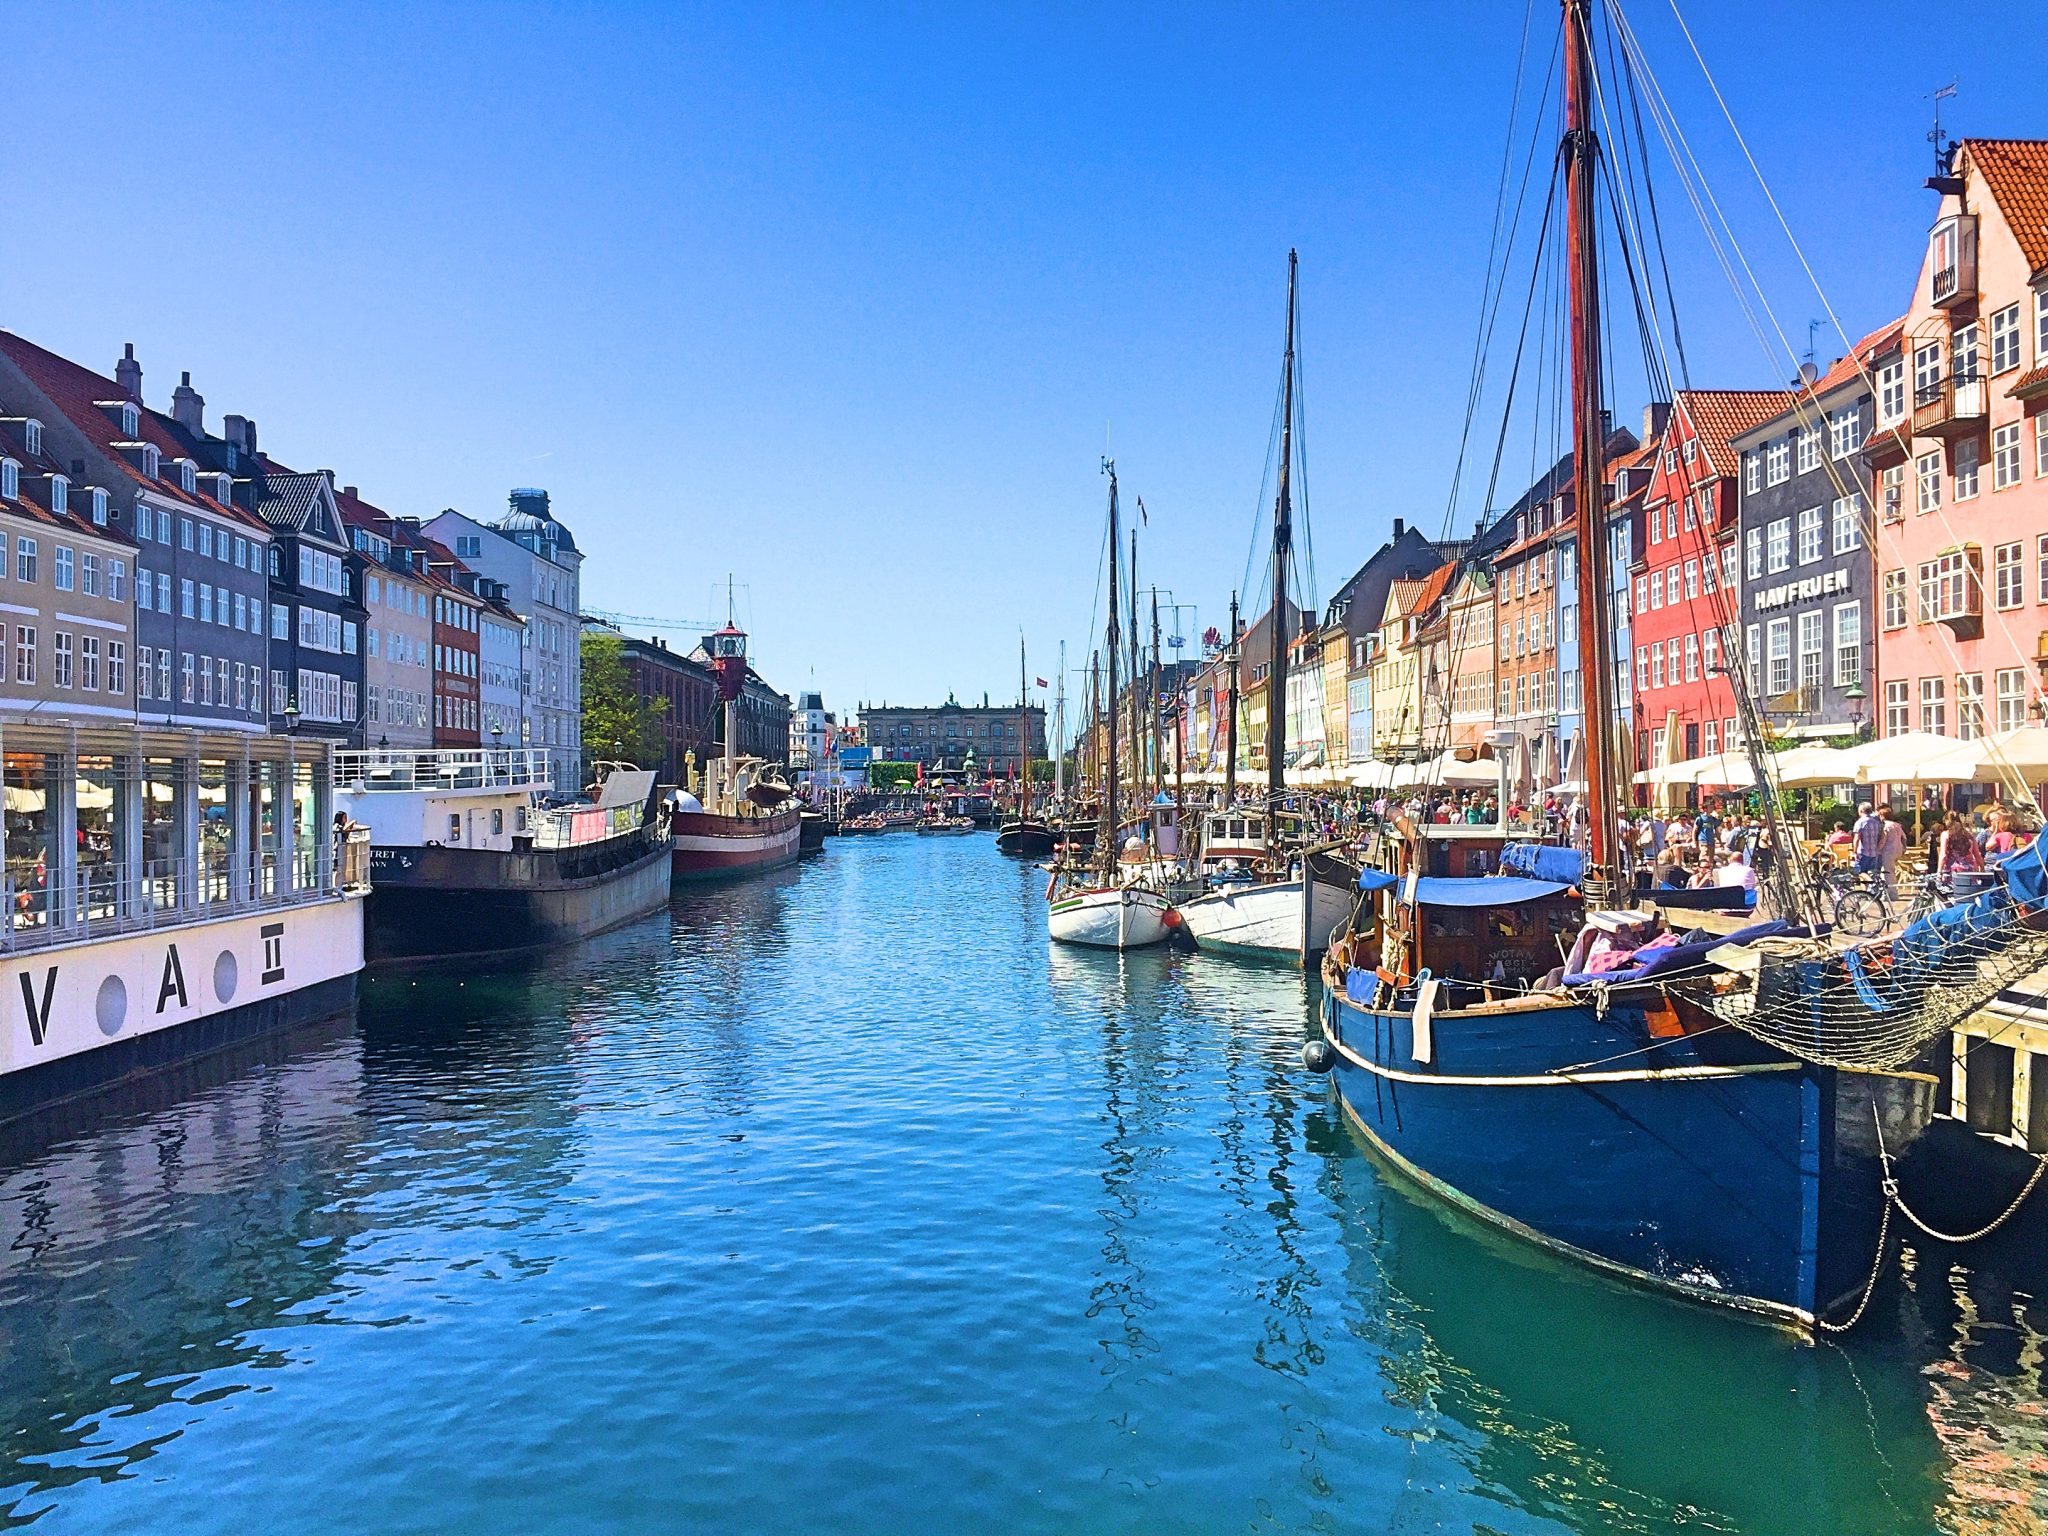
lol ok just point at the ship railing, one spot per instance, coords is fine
(106, 901)
(572, 826)
(399, 769)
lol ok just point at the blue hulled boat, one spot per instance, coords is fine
(1612, 1129)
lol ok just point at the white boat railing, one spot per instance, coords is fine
(173, 893)
(397, 769)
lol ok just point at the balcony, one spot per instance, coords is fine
(1886, 446)
(1950, 407)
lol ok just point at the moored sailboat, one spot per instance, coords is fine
(743, 818)
(1024, 834)
(1650, 1108)
(1093, 903)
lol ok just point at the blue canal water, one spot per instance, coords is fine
(836, 1201)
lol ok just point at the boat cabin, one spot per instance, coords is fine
(1235, 834)
(1498, 929)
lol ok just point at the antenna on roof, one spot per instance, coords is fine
(1944, 150)
(1812, 329)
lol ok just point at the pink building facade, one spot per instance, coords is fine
(1959, 459)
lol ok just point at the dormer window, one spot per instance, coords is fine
(223, 489)
(131, 419)
(10, 480)
(32, 433)
(60, 494)
(151, 460)
(188, 476)
(99, 506)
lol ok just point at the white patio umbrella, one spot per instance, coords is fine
(2022, 751)
(1806, 767)
(1916, 757)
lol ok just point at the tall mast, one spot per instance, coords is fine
(1589, 479)
(1023, 731)
(1283, 544)
(1059, 731)
(1137, 750)
(1106, 837)
(1230, 739)
(1152, 701)
(1094, 718)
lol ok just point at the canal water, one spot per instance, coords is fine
(836, 1201)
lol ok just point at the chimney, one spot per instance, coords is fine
(351, 493)
(128, 374)
(188, 406)
(1655, 415)
(1400, 527)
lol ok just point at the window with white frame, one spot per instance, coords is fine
(1809, 449)
(1891, 392)
(1710, 740)
(1656, 666)
(24, 559)
(1970, 705)
(1809, 536)
(2005, 456)
(1692, 658)
(1891, 493)
(1894, 599)
(1753, 543)
(1898, 708)
(1934, 705)
(1752, 471)
(117, 580)
(2008, 575)
(1811, 628)
(1656, 590)
(2041, 444)
(1778, 545)
(2005, 338)
(1753, 655)
(1964, 344)
(2011, 683)
(1778, 460)
(60, 495)
(117, 666)
(1845, 430)
(1846, 519)
(2041, 325)
(89, 663)
(88, 574)
(1928, 470)
(1692, 580)
(10, 480)
(1710, 647)
(1965, 459)
(1707, 574)
(1929, 605)
(61, 568)
(1728, 566)
(1778, 656)
(1927, 371)
(60, 658)
(1848, 644)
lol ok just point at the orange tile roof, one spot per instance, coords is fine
(1860, 356)
(1434, 585)
(1716, 415)
(2016, 170)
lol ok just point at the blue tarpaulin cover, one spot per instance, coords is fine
(1474, 891)
(1542, 861)
(2026, 876)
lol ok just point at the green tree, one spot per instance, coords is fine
(617, 720)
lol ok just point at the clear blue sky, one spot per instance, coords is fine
(842, 299)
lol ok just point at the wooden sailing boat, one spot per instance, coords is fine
(1024, 834)
(1095, 905)
(1607, 1114)
(1257, 900)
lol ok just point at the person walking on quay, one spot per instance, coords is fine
(1891, 848)
(1868, 837)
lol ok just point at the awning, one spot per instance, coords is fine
(1473, 891)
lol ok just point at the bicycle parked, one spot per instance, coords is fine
(1865, 906)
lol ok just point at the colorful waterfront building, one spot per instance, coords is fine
(1808, 589)
(1682, 627)
(1960, 457)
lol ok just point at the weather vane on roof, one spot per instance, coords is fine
(1944, 151)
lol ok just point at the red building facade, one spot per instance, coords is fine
(1687, 577)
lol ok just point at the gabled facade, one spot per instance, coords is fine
(1687, 597)
(534, 558)
(1959, 459)
(1396, 677)
(66, 627)
(1808, 600)
(316, 612)
(193, 572)
(1468, 661)
(397, 638)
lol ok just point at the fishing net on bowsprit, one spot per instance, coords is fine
(1880, 1004)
